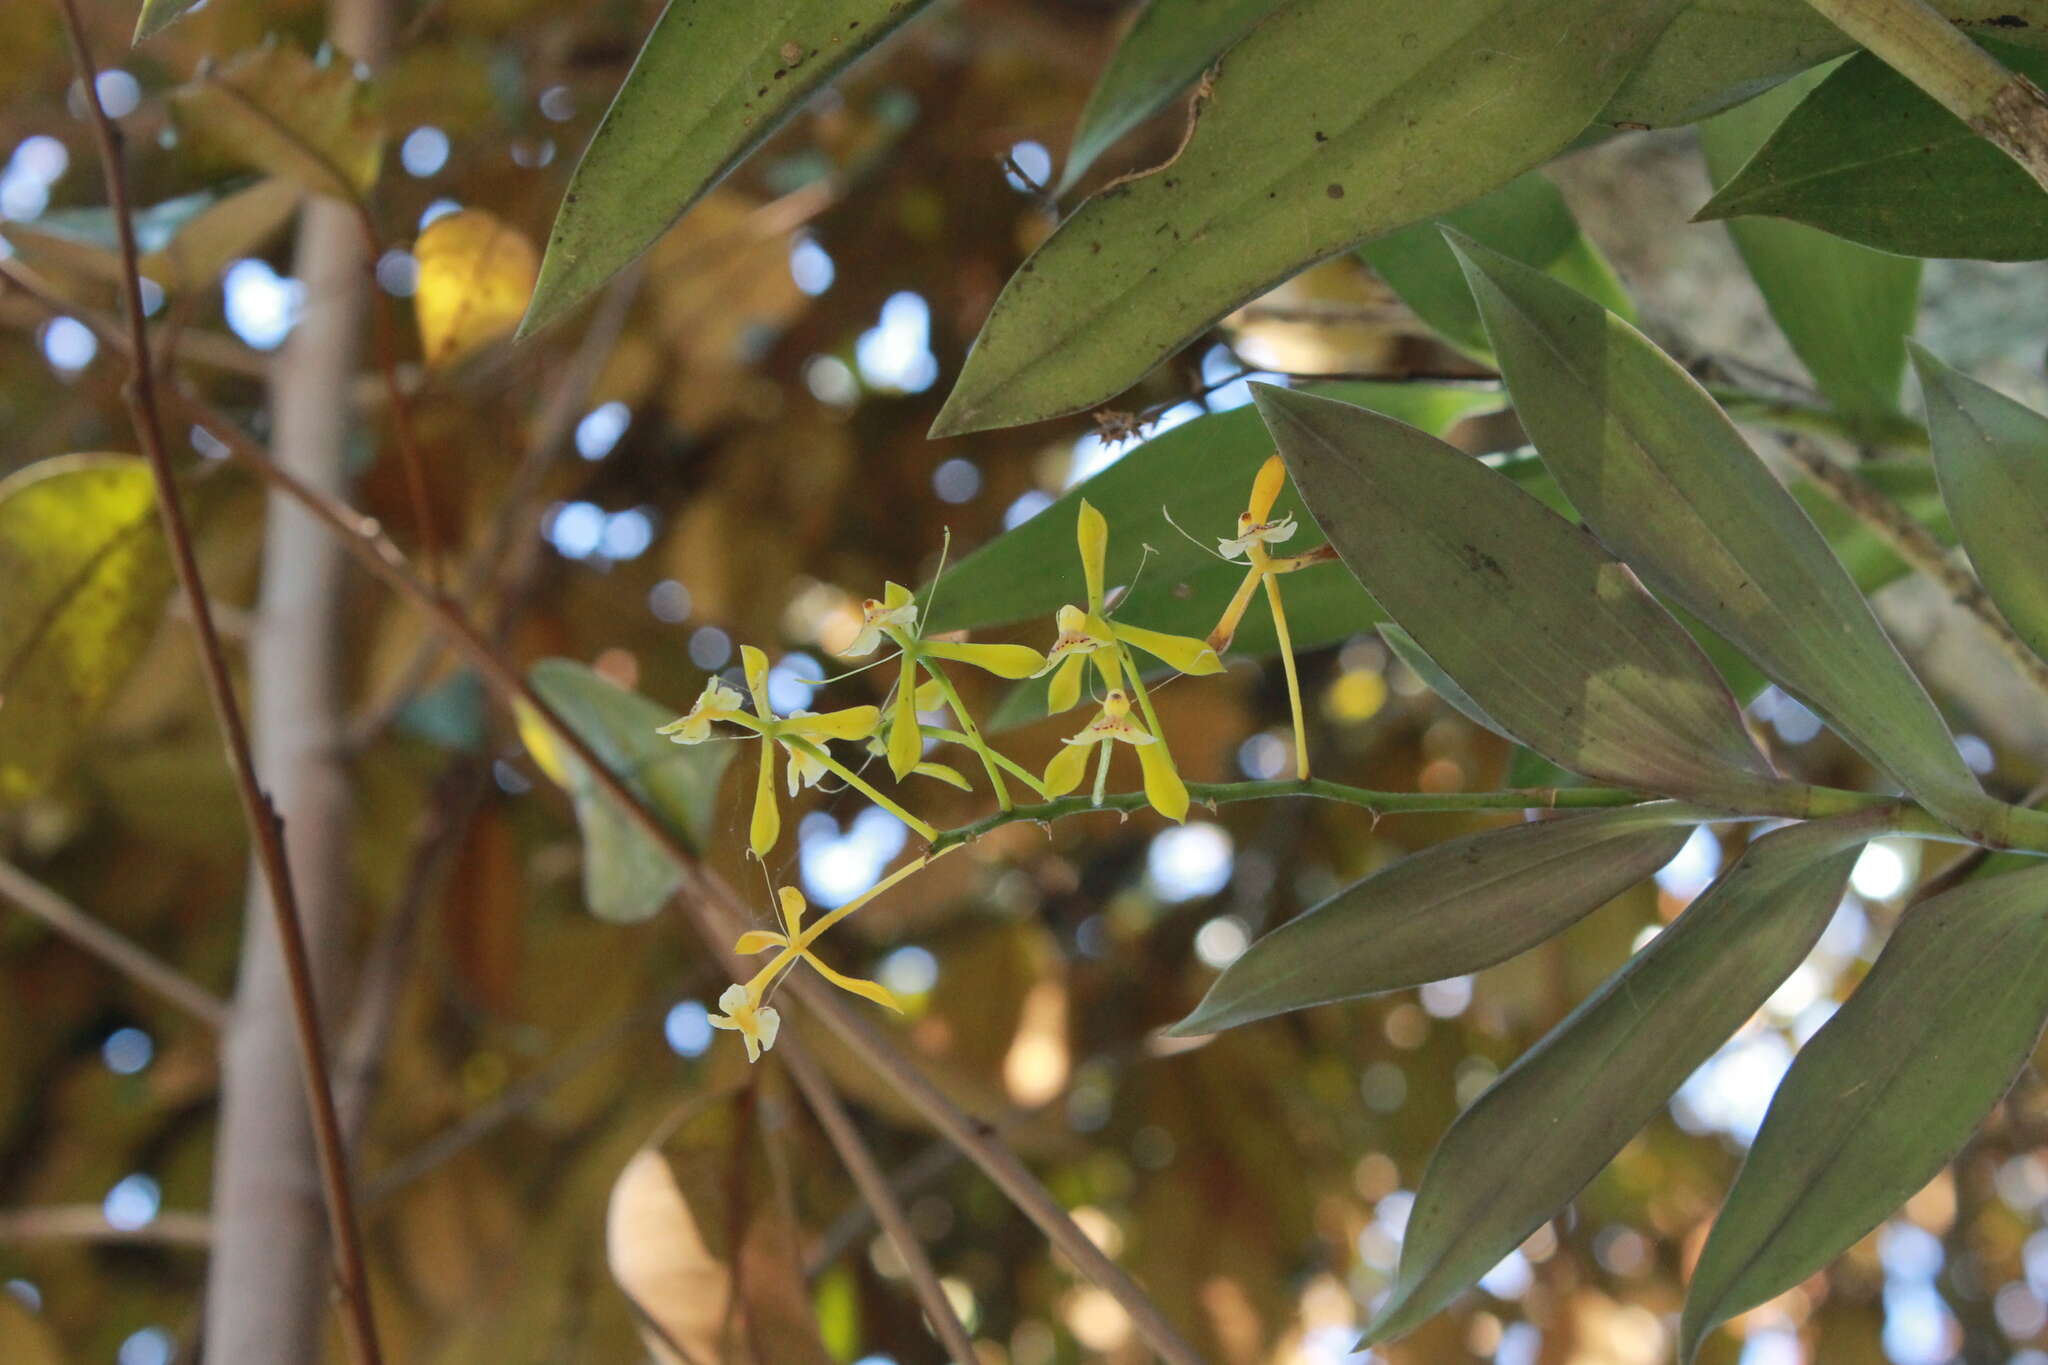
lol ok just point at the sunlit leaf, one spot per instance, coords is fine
(1991, 454)
(1332, 122)
(476, 272)
(83, 583)
(625, 875)
(700, 1239)
(1845, 308)
(1452, 908)
(1526, 218)
(1889, 1089)
(1664, 478)
(277, 110)
(1560, 1113)
(1545, 631)
(713, 80)
(1169, 45)
(158, 15)
(1869, 157)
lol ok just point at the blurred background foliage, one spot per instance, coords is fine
(730, 447)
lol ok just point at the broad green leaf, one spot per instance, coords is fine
(1548, 633)
(158, 15)
(83, 582)
(1845, 308)
(1526, 218)
(1199, 474)
(714, 79)
(1888, 1090)
(185, 242)
(1528, 1145)
(1868, 157)
(1666, 481)
(1717, 53)
(1452, 908)
(1991, 455)
(625, 875)
(1332, 122)
(277, 110)
(1169, 45)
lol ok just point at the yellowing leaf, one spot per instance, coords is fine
(83, 579)
(279, 111)
(475, 274)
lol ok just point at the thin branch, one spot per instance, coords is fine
(881, 1197)
(1914, 39)
(1913, 543)
(88, 1223)
(123, 954)
(264, 827)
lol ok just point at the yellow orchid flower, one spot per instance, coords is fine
(1257, 529)
(803, 736)
(757, 1025)
(796, 947)
(895, 617)
(1114, 724)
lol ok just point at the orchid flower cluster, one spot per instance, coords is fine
(1089, 640)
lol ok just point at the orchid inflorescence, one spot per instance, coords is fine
(1089, 639)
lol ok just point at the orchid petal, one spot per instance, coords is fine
(1065, 691)
(755, 665)
(930, 696)
(1005, 661)
(905, 743)
(895, 595)
(1182, 653)
(1163, 786)
(1266, 489)
(867, 990)
(950, 776)
(758, 941)
(1092, 531)
(793, 906)
(1067, 768)
(767, 823)
(855, 722)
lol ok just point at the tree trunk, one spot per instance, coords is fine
(268, 1282)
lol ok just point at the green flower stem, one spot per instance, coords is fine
(1891, 431)
(858, 783)
(971, 731)
(1008, 764)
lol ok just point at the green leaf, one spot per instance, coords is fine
(1404, 648)
(1548, 633)
(1665, 480)
(1332, 122)
(85, 582)
(625, 875)
(1845, 308)
(1868, 157)
(1561, 1112)
(712, 81)
(185, 242)
(1170, 44)
(1526, 218)
(1991, 455)
(1721, 52)
(1884, 1094)
(158, 15)
(277, 110)
(1452, 908)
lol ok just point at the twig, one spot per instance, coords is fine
(858, 1217)
(881, 1197)
(1914, 39)
(264, 827)
(88, 1223)
(1913, 543)
(119, 952)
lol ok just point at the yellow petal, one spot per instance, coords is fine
(1065, 691)
(1005, 661)
(895, 595)
(475, 274)
(906, 745)
(767, 825)
(793, 906)
(855, 722)
(755, 663)
(867, 990)
(950, 776)
(1067, 768)
(1266, 489)
(758, 941)
(1093, 534)
(1183, 653)
(548, 756)
(1163, 787)
(931, 696)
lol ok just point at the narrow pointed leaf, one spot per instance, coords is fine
(1452, 908)
(1869, 157)
(1558, 1115)
(1169, 45)
(1543, 629)
(1326, 125)
(158, 15)
(1991, 455)
(1885, 1094)
(712, 81)
(1845, 308)
(1443, 684)
(1526, 218)
(1666, 481)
